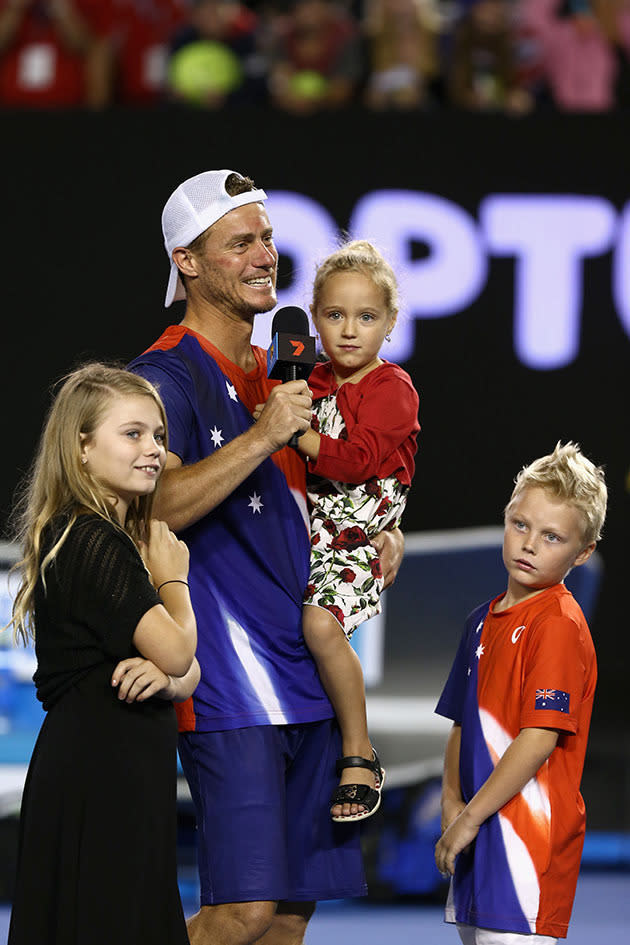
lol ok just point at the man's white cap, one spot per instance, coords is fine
(194, 206)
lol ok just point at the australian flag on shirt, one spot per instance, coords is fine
(556, 699)
(249, 557)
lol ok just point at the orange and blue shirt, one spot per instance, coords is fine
(249, 557)
(529, 666)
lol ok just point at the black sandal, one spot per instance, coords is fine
(369, 798)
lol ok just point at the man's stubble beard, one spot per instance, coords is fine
(237, 307)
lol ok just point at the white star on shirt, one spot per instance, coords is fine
(217, 436)
(231, 391)
(255, 504)
(479, 626)
(480, 650)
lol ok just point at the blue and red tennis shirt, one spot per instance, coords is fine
(249, 557)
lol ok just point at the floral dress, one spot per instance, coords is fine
(345, 576)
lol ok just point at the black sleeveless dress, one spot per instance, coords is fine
(97, 860)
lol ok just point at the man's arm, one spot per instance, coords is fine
(187, 493)
(529, 750)
(390, 546)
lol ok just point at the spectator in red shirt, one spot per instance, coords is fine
(55, 53)
(142, 30)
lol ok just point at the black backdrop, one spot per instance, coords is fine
(84, 274)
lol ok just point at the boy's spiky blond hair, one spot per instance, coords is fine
(568, 474)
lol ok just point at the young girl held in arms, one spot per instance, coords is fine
(360, 451)
(97, 835)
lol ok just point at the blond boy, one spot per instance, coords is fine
(520, 694)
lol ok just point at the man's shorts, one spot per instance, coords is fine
(471, 935)
(262, 798)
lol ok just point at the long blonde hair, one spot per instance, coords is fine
(59, 484)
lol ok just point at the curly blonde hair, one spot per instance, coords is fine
(359, 256)
(59, 484)
(567, 474)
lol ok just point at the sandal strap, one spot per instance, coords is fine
(356, 761)
(354, 794)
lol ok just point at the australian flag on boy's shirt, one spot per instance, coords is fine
(249, 557)
(552, 699)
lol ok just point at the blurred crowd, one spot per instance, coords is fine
(302, 56)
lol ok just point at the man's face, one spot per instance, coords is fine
(238, 265)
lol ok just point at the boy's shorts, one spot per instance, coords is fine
(471, 935)
(262, 798)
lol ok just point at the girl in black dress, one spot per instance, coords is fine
(104, 594)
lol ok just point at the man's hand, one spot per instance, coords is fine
(288, 410)
(390, 546)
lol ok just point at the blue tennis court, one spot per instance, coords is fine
(601, 914)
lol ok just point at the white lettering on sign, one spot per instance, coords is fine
(548, 235)
(621, 270)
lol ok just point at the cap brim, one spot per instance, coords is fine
(175, 291)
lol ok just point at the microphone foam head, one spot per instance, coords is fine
(291, 320)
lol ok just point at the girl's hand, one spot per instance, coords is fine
(138, 679)
(164, 554)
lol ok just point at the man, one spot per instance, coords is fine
(259, 739)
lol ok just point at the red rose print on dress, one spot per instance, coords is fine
(384, 506)
(335, 611)
(347, 575)
(325, 487)
(375, 568)
(373, 487)
(352, 537)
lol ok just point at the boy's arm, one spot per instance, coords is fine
(529, 750)
(452, 802)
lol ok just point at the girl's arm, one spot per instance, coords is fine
(385, 424)
(529, 750)
(139, 679)
(167, 633)
(308, 444)
(182, 687)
